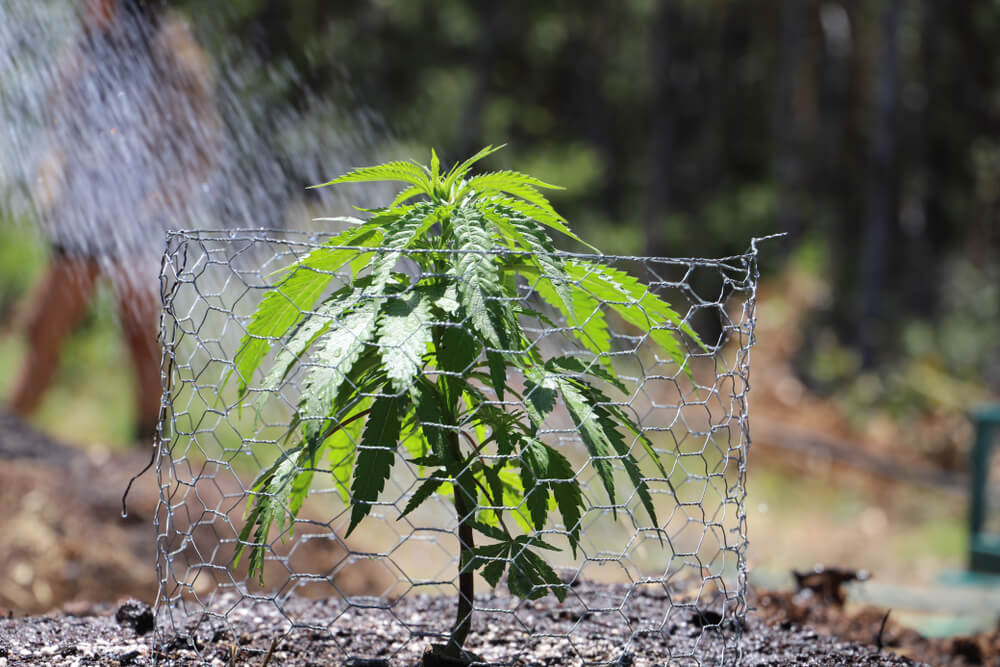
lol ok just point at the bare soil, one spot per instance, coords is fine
(65, 540)
(872, 626)
(342, 635)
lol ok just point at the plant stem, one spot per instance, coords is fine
(466, 575)
(486, 492)
(342, 424)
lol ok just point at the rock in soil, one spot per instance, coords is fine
(436, 655)
(136, 615)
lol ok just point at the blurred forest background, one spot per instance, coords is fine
(868, 131)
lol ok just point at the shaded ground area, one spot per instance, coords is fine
(338, 634)
(65, 540)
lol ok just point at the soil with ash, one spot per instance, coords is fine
(255, 633)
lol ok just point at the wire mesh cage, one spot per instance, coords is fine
(650, 568)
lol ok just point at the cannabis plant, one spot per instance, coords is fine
(426, 357)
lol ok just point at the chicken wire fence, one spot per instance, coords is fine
(635, 591)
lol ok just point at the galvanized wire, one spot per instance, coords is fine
(213, 444)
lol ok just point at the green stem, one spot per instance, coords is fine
(486, 492)
(466, 576)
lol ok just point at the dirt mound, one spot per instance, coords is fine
(66, 540)
(872, 626)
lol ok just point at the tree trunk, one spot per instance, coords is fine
(881, 182)
(661, 136)
(786, 126)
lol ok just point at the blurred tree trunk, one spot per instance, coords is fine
(484, 55)
(588, 103)
(661, 135)
(786, 126)
(842, 157)
(881, 208)
(918, 222)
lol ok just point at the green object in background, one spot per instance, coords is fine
(984, 549)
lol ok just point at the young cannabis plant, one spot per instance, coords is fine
(422, 357)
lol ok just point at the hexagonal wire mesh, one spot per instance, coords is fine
(675, 591)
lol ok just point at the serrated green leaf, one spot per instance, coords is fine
(536, 541)
(551, 281)
(534, 467)
(568, 496)
(539, 395)
(375, 457)
(576, 366)
(335, 356)
(583, 313)
(272, 504)
(288, 301)
(540, 215)
(341, 448)
(636, 305)
(405, 195)
(492, 558)
(535, 500)
(508, 235)
(314, 325)
(428, 461)
(476, 273)
(398, 236)
(543, 574)
(448, 301)
(489, 531)
(457, 349)
(432, 424)
(519, 581)
(513, 183)
(501, 180)
(535, 456)
(458, 172)
(525, 579)
(498, 373)
(619, 445)
(435, 170)
(553, 284)
(619, 417)
(407, 172)
(423, 492)
(494, 570)
(403, 335)
(593, 436)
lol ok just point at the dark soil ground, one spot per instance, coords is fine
(340, 635)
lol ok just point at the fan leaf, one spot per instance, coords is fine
(375, 457)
